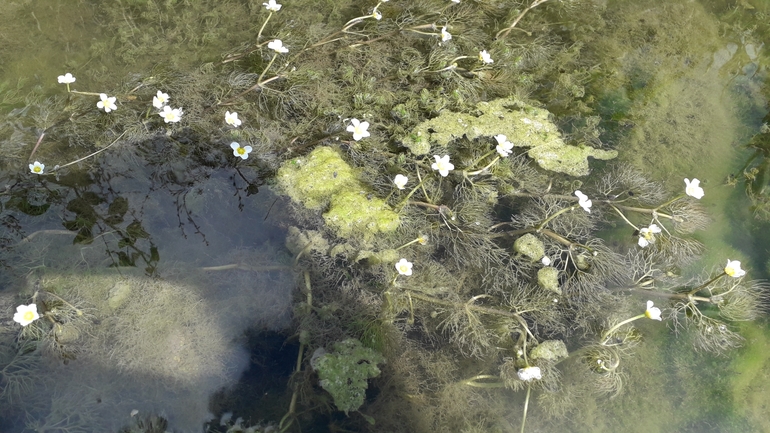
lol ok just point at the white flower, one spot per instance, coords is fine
(66, 78)
(107, 103)
(243, 152)
(376, 15)
(546, 261)
(170, 115)
(583, 201)
(693, 188)
(37, 167)
(232, 119)
(272, 6)
(400, 180)
(443, 165)
(359, 129)
(159, 100)
(485, 57)
(277, 46)
(733, 269)
(445, 35)
(646, 235)
(504, 147)
(455, 1)
(529, 373)
(652, 312)
(404, 267)
(26, 314)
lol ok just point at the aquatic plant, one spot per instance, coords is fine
(446, 212)
(344, 371)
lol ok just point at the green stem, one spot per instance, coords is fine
(615, 328)
(670, 201)
(623, 216)
(702, 286)
(644, 210)
(259, 80)
(475, 381)
(88, 156)
(407, 244)
(403, 203)
(85, 93)
(474, 173)
(259, 35)
(77, 310)
(526, 406)
(550, 218)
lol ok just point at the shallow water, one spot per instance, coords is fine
(178, 251)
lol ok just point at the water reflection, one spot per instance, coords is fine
(147, 272)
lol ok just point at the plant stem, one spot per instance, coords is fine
(615, 328)
(623, 216)
(526, 406)
(474, 381)
(88, 156)
(259, 80)
(259, 35)
(474, 173)
(550, 218)
(505, 31)
(702, 286)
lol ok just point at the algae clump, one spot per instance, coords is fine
(529, 245)
(345, 371)
(323, 179)
(524, 126)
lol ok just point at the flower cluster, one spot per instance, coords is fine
(169, 115)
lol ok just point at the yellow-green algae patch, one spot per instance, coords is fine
(323, 179)
(752, 368)
(523, 125)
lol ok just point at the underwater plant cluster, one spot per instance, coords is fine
(463, 229)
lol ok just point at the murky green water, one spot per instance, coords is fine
(161, 267)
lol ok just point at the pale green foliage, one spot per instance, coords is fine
(345, 371)
(323, 178)
(523, 124)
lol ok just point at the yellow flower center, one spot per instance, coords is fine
(37, 169)
(29, 316)
(241, 151)
(730, 271)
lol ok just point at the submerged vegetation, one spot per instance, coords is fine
(471, 223)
